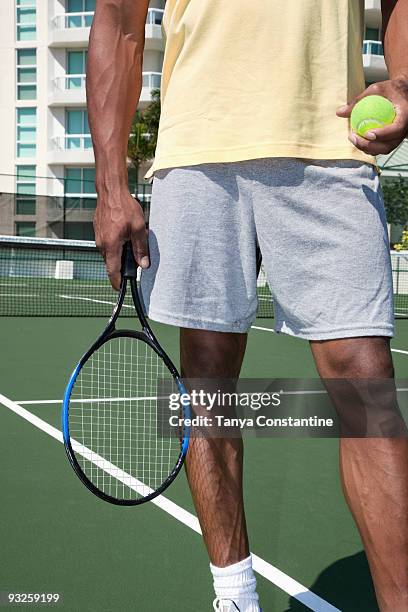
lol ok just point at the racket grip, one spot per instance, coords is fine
(258, 259)
(129, 265)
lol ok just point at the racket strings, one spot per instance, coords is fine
(116, 420)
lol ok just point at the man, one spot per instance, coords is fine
(250, 145)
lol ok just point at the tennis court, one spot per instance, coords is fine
(58, 538)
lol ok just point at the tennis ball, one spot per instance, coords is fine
(370, 113)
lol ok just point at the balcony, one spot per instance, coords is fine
(68, 90)
(153, 31)
(373, 61)
(373, 13)
(71, 149)
(151, 80)
(71, 29)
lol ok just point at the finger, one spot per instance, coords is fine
(102, 251)
(113, 262)
(372, 147)
(395, 131)
(344, 111)
(140, 247)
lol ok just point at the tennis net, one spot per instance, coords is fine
(66, 278)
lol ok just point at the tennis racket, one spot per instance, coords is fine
(112, 419)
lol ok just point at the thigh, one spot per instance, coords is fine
(323, 235)
(201, 241)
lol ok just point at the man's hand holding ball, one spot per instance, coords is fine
(378, 117)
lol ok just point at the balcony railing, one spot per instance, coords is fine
(154, 16)
(69, 82)
(73, 20)
(84, 19)
(373, 47)
(73, 141)
(152, 80)
(373, 5)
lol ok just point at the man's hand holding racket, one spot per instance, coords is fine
(118, 218)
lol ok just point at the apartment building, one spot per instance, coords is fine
(46, 157)
(45, 146)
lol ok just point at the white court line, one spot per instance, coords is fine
(399, 351)
(11, 284)
(163, 397)
(91, 401)
(265, 569)
(24, 295)
(85, 299)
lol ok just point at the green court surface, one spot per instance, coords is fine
(56, 537)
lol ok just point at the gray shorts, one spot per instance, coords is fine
(322, 231)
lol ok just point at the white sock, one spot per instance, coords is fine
(238, 583)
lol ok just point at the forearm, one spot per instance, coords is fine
(114, 81)
(395, 37)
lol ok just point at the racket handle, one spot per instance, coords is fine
(129, 265)
(258, 259)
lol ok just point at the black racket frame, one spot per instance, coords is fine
(129, 273)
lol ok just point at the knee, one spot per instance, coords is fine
(356, 358)
(211, 354)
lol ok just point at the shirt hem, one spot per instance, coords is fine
(246, 153)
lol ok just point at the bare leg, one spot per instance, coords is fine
(214, 466)
(374, 472)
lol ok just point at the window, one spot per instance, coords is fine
(77, 129)
(80, 183)
(155, 16)
(372, 47)
(26, 19)
(25, 228)
(77, 13)
(372, 34)
(26, 132)
(25, 190)
(79, 231)
(76, 68)
(26, 74)
(152, 80)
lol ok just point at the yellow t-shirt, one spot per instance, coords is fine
(245, 79)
